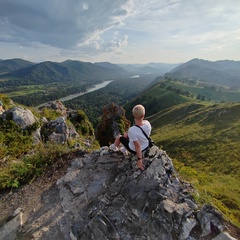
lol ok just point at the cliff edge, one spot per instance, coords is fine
(102, 195)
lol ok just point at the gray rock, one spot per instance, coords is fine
(208, 216)
(103, 196)
(21, 116)
(224, 236)
(37, 138)
(12, 225)
(56, 106)
(59, 131)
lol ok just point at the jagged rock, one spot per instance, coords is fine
(209, 218)
(12, 225)
(56, 106)
(116, 203)
(112, 124)
(21, 116)
(58, 131)
(104, 196)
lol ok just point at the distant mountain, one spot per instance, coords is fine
(94, 70)
(13, 65)
(49, 72)
(160, 68)
(41, 73)
(111, 66)
(225, 72)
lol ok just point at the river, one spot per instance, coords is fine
(96, 87)
(92, 89)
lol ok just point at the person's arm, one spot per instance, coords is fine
(139, 155)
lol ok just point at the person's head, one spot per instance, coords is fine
(138, 111)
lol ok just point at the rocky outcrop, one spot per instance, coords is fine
(112, 124)
(56, 106)
(59, 130)
(23, 117)
(104, 196)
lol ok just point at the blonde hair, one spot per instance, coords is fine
(138, 111)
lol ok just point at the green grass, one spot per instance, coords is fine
(21, 160)
(211, 92)
(202, 137)
(204, 140)
(156, 99)
(24, 170)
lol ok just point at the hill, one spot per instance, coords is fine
(200, 90)
(155, 98)
(13, 65)
(225, 72)
(50, 72)
(203, 137)
(119, 91)
(156, 68)
(205, 141)
(48, 81)
(114, 67)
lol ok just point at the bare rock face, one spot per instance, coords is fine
(112, 124)
(23, 117)
(58, 131)
(104, 196)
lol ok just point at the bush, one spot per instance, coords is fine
(16, 172)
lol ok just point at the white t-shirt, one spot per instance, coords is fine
(136, 134)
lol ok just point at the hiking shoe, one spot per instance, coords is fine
(124, 150)
(113, 148)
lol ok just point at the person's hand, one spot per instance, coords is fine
(140, 165)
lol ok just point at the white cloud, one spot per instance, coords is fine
(60, 23)
(119, 30)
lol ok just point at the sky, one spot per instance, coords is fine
(120, 31)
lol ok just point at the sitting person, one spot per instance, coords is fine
(134, 140)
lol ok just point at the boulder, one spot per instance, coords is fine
(58, 131)
(56, 106)
(23, 117)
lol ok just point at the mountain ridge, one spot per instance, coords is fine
(48, 72)
(223, 72)
(13, 64)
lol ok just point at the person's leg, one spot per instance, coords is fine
(125, 142)
(117, 141)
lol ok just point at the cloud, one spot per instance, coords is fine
(153, 30)
(62, 23)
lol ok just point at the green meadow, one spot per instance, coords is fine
(204, 142)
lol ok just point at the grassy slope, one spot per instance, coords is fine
(155, 99)
(210, 92)
(204, 140)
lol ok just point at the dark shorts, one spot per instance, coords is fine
(125, 142)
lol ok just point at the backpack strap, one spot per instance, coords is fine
(143, 132)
